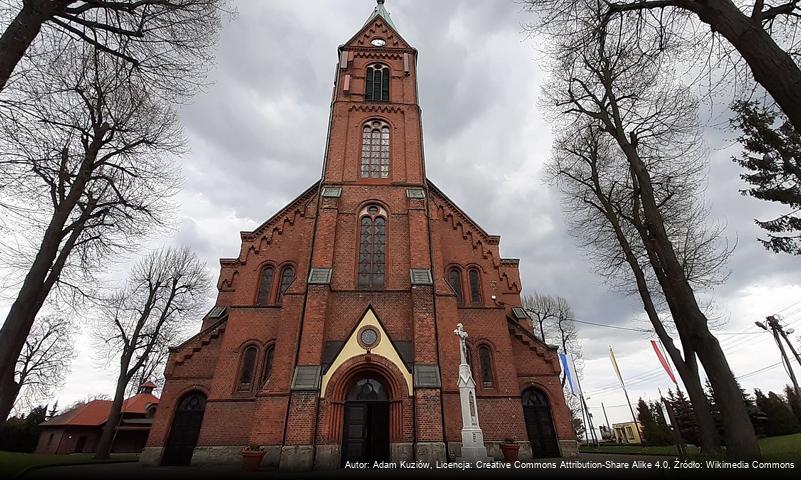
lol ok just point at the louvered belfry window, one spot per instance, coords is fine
(377, 88)
(372, 248)
(375, 150)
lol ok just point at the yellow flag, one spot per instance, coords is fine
(614, 365)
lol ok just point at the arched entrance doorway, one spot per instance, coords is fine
(365, 433)
(539, 424)
(185, 429)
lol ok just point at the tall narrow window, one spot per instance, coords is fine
(485, 358)
(248, 369)
(375, 150)
(455, 281)
(377, 88)
(267, 368)
(372, 248)
(287, 276)
(475, 286)
(265, 285)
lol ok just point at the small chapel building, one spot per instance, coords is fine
(332, 335)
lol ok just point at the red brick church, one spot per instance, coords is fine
(332, 339)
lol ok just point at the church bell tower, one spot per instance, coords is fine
(375, 132)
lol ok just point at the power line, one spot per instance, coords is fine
(760, 370)
(640, 330)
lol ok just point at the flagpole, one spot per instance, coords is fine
(622, 384)
(583, 402)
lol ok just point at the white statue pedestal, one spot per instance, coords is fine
(473, 448)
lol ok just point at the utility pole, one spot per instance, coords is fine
(605, 417)
(775, 327)
(784, 334)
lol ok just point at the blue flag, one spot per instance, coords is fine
(566, 364)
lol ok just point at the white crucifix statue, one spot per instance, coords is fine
(473, 448)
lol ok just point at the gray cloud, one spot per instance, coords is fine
(257, 140)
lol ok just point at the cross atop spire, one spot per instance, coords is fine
(382, 12)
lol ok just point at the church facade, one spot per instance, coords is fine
(332, 335)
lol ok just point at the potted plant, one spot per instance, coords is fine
(510, 450)
(251, 458)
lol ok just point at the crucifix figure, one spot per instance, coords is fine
(473, 448)
(459, 332)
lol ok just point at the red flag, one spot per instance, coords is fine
(663, 360)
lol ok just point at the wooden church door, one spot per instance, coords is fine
(365, 436)
(539, 424)
(185, 430)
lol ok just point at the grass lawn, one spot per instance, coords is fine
(786, 448)
(13, 463)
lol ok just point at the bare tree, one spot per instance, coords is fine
(165, 288)
(763, 34)
(153, 368)
(598, 199)
(166, 40)
(542, 308)
(91, 161)
(44, 361)
(621, 83)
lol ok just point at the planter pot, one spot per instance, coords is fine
(251, 460)
(510, 451)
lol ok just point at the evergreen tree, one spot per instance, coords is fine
(685, 417)
(772, 160)
(662, 433)
(654, 427)
(20, 434)
(780, 419)
(793, 401)
(714, 408)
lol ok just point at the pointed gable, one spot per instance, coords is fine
(369, 336)
(379, 25)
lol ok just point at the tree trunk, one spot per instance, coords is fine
(44, 272)
(9, 389)
(21, 32)
(23, 311)
(103, 450)
(771, 66)
(741, 440)
(685, 367)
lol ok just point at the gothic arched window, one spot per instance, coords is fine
(267, 367)
(455, 281)
(377, 87)
(485, 358)
(247, 369)
(265, 285)
(475, 286)
(287, 276)
(375, 150)
(372, 247)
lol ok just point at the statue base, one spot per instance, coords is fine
(473, 449)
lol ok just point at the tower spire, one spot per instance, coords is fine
(382, 12)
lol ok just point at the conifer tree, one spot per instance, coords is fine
(780, 419)
(772, 160)
(685, 416)
(792, 399)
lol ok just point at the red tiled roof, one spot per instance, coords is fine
(95, 413)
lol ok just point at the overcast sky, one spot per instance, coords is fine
(257, 139)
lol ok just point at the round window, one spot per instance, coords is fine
(368, 337)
